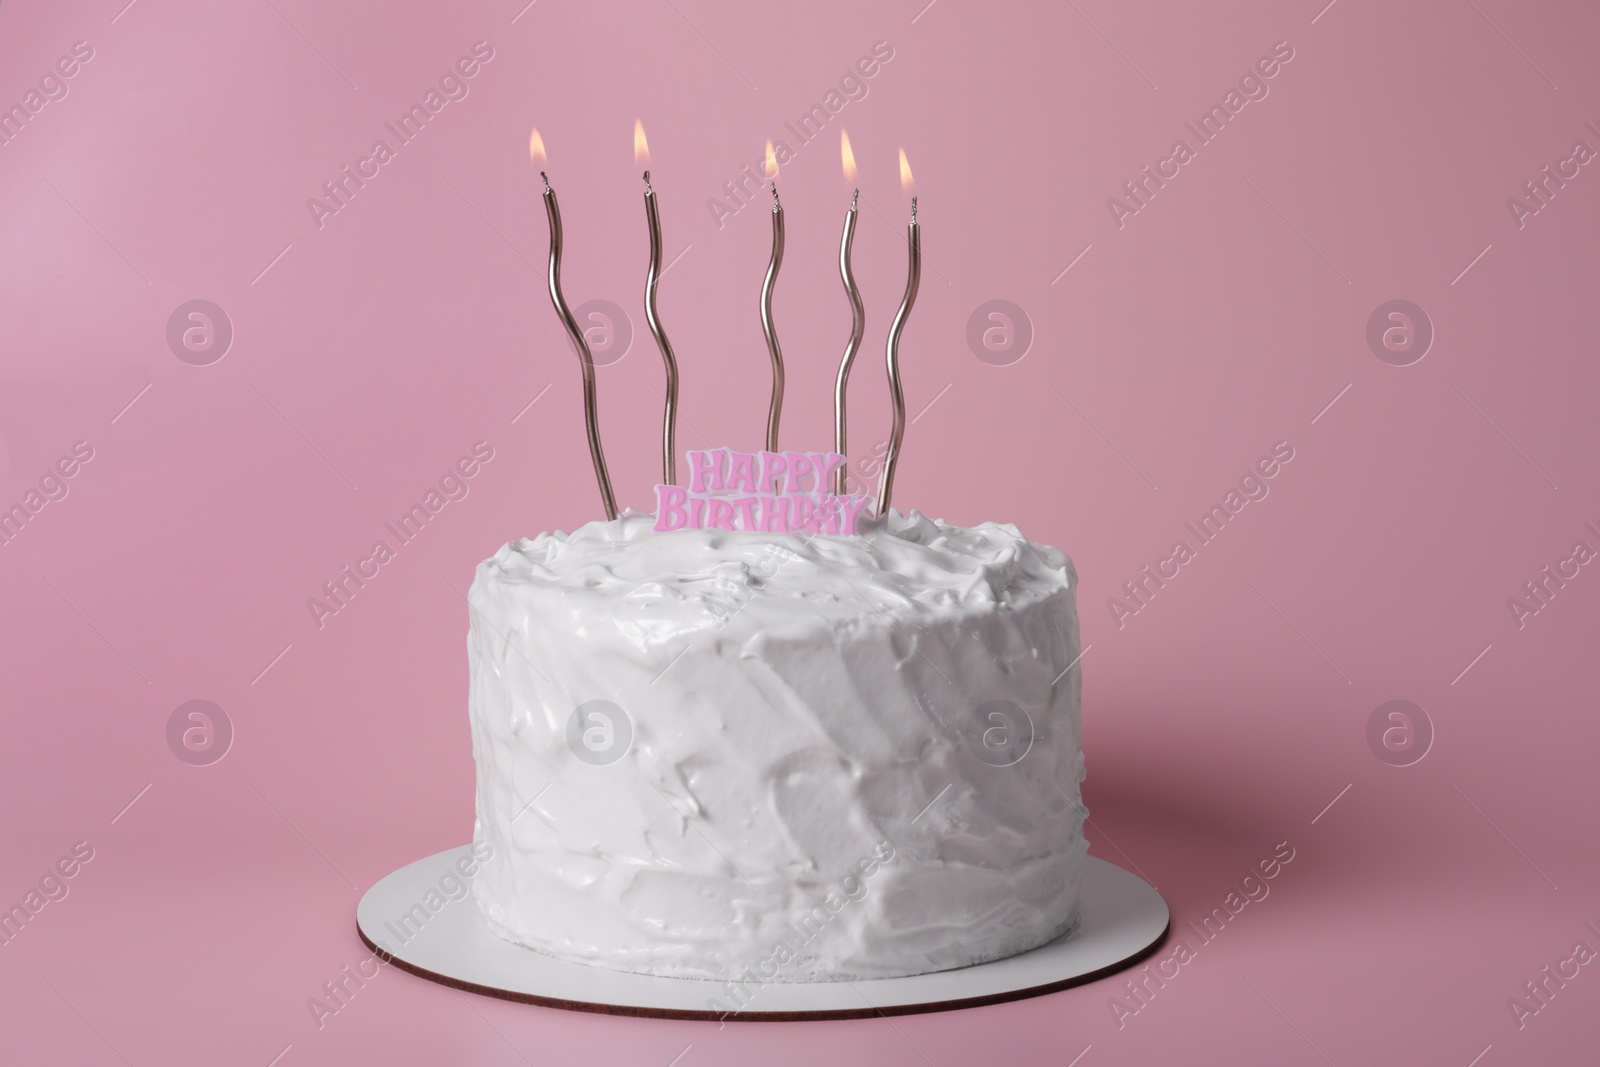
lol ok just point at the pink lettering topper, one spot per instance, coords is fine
(779, 492)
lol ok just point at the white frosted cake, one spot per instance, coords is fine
(801, 757)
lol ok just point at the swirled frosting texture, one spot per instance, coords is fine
(845, 756)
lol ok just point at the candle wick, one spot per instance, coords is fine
(647, 182)
(546, 181)
(913, 211)
(775, 205)
(854, 196)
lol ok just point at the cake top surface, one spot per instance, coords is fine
(906, 564)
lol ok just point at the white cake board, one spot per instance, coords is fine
(1124, 920)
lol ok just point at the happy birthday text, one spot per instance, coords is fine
(779, 492)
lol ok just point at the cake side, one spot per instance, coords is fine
(831, 757)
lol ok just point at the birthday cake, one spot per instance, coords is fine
(757, 749)
(766, 734)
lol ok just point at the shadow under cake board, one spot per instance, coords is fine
(1124, 920)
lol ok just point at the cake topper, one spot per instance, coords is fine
(778, 492)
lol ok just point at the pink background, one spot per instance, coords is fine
(1227, 315)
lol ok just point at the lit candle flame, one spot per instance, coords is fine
(536, 149)
(849, 157)
(907, 186)
(770, 167)
(641, 147)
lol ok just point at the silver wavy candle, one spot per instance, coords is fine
(896, 396)
(858, 324)
(669, 417)
(775, 409)
(591, 415)
(858, 315)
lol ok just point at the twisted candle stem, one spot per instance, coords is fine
(897, 432)
(669, 462)
(591, 415)
(776, 409)
(858, 323)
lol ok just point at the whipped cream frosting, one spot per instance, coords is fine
(791, 757)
